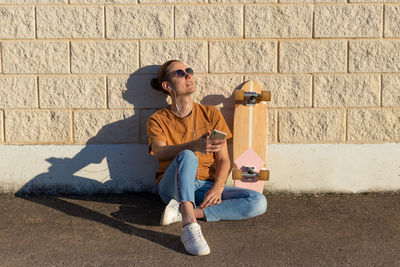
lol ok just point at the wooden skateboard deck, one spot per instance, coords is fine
(250, 136)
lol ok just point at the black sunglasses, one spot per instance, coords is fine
(181, 73)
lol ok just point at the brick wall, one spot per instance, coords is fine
(78, 72)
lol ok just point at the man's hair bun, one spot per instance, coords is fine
(155, 84)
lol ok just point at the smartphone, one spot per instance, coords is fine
(215, 134)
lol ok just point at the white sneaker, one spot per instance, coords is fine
(171, 213)
(193, 240)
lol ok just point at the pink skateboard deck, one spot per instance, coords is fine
(250, 157)
(250, 136)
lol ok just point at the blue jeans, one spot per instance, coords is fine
(180, 183)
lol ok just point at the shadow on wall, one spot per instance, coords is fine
(109, 163)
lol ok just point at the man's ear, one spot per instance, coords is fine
(166, 86)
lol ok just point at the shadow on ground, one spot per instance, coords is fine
(136, 213)
(122, 230)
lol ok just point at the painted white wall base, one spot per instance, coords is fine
(76, 169)
(293, 168)
(349, 168)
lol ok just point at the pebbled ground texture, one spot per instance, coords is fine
(123, 230)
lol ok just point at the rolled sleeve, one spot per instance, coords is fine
(219, 123)
(154, 132)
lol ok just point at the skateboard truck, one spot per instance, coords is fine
(249, 174)
(252, 98)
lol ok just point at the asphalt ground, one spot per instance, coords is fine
(123, 230)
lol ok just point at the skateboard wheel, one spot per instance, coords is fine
(265, 95)
(264, 174)
(237, 174)
(238, 95)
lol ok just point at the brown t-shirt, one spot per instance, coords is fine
(165, 126)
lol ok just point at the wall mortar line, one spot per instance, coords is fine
(208, 58)
(174, 21)
(105, 23)
(201, 39)
(38, 92)
(313, 22)
(107, 93)
(383, 20)
(312, 91)
(244, 22)
(269, 74)
(348, 57)
(35, 18)
(72, 130)
(70, 57)
(278, 43)
(1, 58)
(76, 109)
(278, 137)
(206, 4)
(139, 59)
(381, 92)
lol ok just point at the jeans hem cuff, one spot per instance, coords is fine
(209, 217)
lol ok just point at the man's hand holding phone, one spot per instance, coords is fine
(212, 141)
(217, 135)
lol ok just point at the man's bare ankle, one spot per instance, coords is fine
(199, 213)
(187, 211)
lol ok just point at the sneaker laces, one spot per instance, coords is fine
(197, 236)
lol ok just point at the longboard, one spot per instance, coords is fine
(250, 136)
